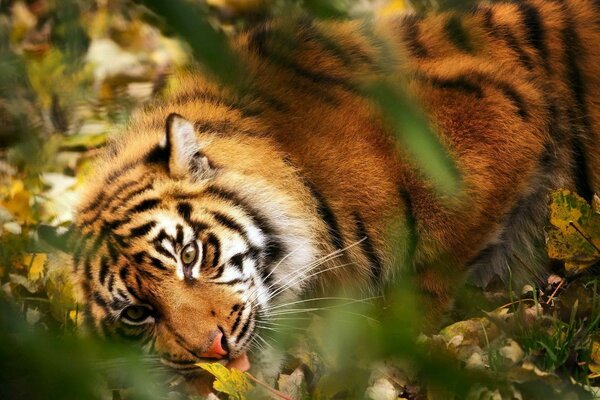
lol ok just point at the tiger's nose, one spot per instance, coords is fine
(216, 349)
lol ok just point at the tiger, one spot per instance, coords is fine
(211, 207)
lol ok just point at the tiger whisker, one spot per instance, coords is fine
(264, 341)
(295, 282)
(268, 328)
(273, 270)
(310, 267)
(352, 301)
(282, 327)
(321, 298)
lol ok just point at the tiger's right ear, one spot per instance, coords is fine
(59, 238)
(184, 149)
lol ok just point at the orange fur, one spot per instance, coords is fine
(511, 89)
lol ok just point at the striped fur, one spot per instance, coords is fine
(302, 166)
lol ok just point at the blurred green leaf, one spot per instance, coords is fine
(210, 46)
(416, 137)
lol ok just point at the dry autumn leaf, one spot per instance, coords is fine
(574, 234)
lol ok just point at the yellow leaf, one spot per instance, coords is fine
(36, 263)
(233, 382)
(393, 7)
(17, 201)
(574, 234)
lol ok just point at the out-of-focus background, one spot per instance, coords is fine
(72, 71)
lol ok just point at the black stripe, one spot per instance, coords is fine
(112, 252)
(214, 242)
(99, 199)
(274, 248)
(133, 293)
(411, 33)
(139, 257)
(578, 115)
(535, 30)
(142, 206)
(238, 262)
(106, 202)
(368, 248)
(111, 282)
(142, 230)
(512, 95)
(184, 209)
(328, 217)
(121, 171)
(503, 33)
(471, 84)
(457, 34)
(286, 42)
(97, 243)
(157, 155)
(116, 224)
(157, 263)
(99, 300)
(124, 273)
(87, 265)
(103, 269)
(148, 276)
(411, 227)
(138, 282)
(229, 222)
(126, 197)
(219, 273)
(179, 237)
(245, 327)
(162, 250)
(350, 55)
(127, 190)
(460, 83)
(234, 309)
(198, 94)
(237, 320)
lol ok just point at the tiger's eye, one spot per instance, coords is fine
(189, 253)
(136, 313)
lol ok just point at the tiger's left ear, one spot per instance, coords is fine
(186, 157)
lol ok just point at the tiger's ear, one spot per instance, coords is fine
(58, 238)
(186, 157)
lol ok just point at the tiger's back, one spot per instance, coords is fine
(300, 184)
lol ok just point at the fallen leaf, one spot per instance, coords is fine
(229, 381)
(36, 263)
(574, 234)
(512, 351)
(17, 200)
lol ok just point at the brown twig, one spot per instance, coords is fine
(554, 292)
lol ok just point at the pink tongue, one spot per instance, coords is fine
(240, 363)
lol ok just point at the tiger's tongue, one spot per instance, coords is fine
(241, 363)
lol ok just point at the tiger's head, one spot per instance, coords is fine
(186, 238)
